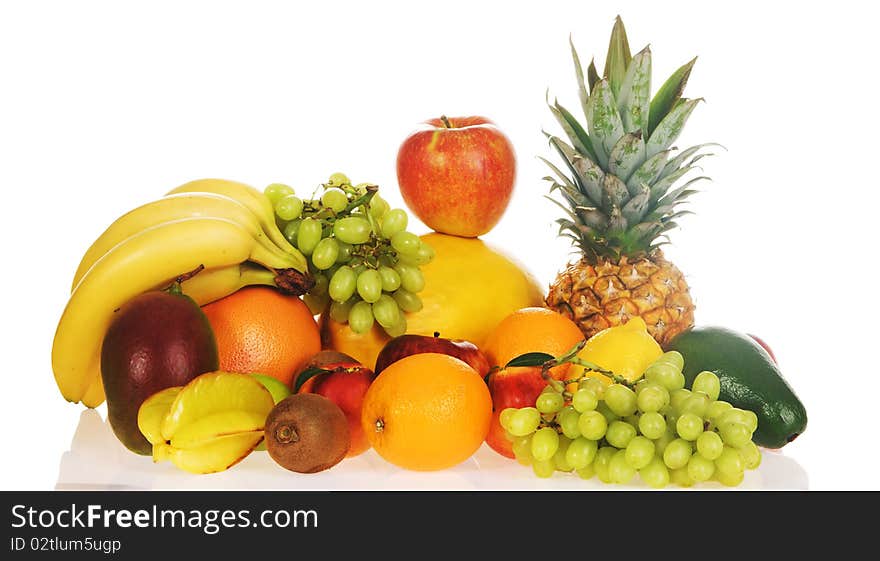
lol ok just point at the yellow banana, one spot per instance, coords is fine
(175, 207)
(248, 196)
(214, 284)
(134, 266)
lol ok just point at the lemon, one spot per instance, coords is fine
(626, 350)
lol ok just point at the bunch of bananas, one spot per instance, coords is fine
(223, 228)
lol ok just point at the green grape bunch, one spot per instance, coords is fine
(365, 263)
(654, 428)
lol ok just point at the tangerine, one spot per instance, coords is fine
(426, 412)
(258, 329)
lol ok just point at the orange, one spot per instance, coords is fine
(532, 330)
(364, 348)
(258, 329)
(427, 412)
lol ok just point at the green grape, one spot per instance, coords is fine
(674, 358)
(411, 278)
(619, 434)
(544, 468)
(716, 409)
(338, 179)
(663, 441)
(321, 285)
(345, 251)
(378, 207)
(606, 412)
(729, 462)
(393, 221)
(584, 400)
(639, 452)
(290, 230)
(568, 421)
(664, 374)
(289, 207)
(316, 303)
(509, 437)
(696, 403)
(632, 419)
(308, 235)
(708, 383)
(325, 253)
(677, 453)
(360, 318)
(689, 426)
(352, 229)
(729, 479)
(425, 253)
(581, 452)
(560, 458)
(620, 399)
(751, 456)
(405, 243)
(655, 474)
(275, 191)
(586, 472)
(592, 425)
(407, 301)
(735, 434)
(398, 328)
(334, 199)
(522, 450)
(550, 402)
(741, 416)
(677, 397)
(710, 445)
(595, 385)
(339, 311)
(390, 279)
(385, 311)
(681, 477)
(699, 468)
(545, 442)
(343, 284)
(602, 461)
(505, 416)
(369, 285)
(652, 425)
(619, 469)
(653, 397)
(525, 421)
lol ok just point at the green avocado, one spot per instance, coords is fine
(750, 379)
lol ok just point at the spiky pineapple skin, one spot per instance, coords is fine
(609, 293)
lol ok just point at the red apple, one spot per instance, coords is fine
(764, 345)
(511, 387)
(405, 345)
(457, 174)
(344, 381)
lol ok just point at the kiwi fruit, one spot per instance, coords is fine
(307, 433)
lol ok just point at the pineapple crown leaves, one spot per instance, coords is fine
(621, 171)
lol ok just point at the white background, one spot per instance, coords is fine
(106, 105)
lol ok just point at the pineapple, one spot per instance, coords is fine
(621, 193)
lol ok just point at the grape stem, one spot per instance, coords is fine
(571, 357)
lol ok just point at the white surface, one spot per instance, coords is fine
(105, 105)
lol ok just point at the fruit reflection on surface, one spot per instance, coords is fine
(156, 340)
(258, 329)
(208, 425)
(427, 412)
(344, 381)
(307, 433)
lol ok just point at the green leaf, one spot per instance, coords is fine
(668, 94)
(529, 359)
(659, 189)
(562, 177)
(567, 210)
(635, 209)
(592, 217)
(627, 155)
(579, 72)
(648, 172)
(677, 161)
(615, 193)
(308, 374)
(592, 78)
(634, 99)
(591, 177)
(670, 127)
(618, 57)
(604, 122)
(573, 129)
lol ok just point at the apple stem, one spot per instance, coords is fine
(446, 122)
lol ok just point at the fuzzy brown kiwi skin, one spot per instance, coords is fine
(300, 423)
